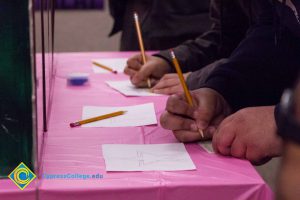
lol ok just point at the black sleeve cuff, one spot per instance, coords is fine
(167, 57)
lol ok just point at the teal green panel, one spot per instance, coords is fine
(15, 86)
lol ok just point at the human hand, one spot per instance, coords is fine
(169, 84)
(154, 69)
(208, 111)
(249, 134)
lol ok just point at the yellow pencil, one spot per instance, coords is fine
(93, 119)
(141, 43)
(182, 81)
(105, 67)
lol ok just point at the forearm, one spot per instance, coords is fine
(255, 74)
(195, 54)
(198, 78)
(225, 34)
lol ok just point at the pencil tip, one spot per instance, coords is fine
(172, 53)
(135, 15)
(201, 133)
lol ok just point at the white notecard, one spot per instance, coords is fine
(117, 64)
(138, 115)
(126, 88)
(146, 157)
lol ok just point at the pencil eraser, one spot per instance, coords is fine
(72, 125)
(77, 78)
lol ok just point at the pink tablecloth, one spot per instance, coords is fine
(78, 150)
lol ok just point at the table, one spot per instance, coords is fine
(78, 150)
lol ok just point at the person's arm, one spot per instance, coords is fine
(197, 78)
(289, 15)
(229, 26)
(257, 72)
(117, 11)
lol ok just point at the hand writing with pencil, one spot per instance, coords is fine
(154, 69)
(208, 110)
(169, 84)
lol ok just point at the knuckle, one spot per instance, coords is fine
(171, 104)
(129, 62)
(225, 150)
(221, 142)
(240, 116)
(126, 70)
(237, 152)
(167, 91)
(163, 120)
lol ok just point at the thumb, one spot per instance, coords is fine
(135, 62)
(143, 74)
(204, 113)
(203, 118)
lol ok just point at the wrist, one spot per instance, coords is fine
(186, 75)
(220, 102)
(165, 57)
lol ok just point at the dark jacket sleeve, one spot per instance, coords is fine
(288, 13)
(258, 71)
(160, 22)
(229, 27)
(117, 10)
(197, 78)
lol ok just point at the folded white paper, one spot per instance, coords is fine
(138, 115)
(126, 88)
(117, 64)
(146, 157)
